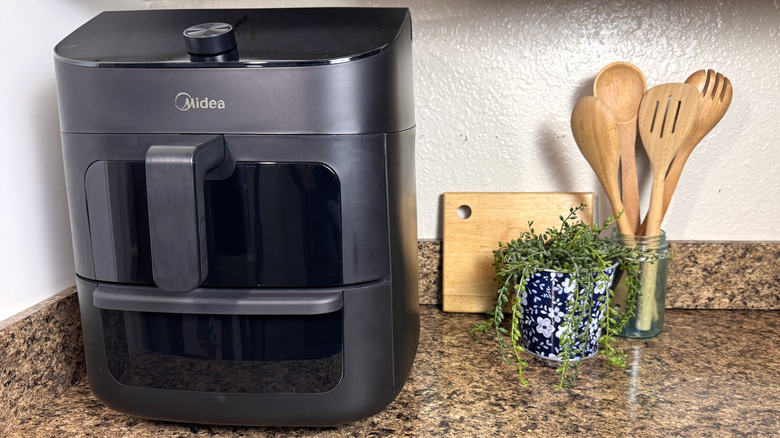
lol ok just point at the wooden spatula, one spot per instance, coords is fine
(716, 92)
(666, 115)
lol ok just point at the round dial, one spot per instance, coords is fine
(209, 39)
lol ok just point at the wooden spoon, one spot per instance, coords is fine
(596, 132)
(666, 116)
(621, 86)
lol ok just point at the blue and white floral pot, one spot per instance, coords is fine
(544, 309)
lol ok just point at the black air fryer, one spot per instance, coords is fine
(242, 199)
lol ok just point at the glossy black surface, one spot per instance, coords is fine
(264, 36)
(225, 353)
(269, 224)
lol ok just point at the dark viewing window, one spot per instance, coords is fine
(225, 353)
(268, 225)
(275, 225)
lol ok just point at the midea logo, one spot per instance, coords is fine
(185, 102)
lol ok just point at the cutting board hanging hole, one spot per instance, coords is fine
(464, 212)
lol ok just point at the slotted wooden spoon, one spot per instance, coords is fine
(621, 86)
(666, 116)
(716, 93)
(595, 130)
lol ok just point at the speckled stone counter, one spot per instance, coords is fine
(702, 275)
(711, 373)
(41, 356)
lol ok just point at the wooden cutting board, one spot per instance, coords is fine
(468, 243)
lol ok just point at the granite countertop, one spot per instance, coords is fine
(710, 373)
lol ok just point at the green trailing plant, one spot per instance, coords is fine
(574, 248)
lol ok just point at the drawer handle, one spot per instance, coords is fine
(177, 217)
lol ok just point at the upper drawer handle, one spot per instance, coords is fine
(177, 218)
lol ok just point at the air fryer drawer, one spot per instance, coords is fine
(303, 357)
(278, 211)
(267, 224)
(223, 340)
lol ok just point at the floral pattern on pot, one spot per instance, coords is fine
(545, 308)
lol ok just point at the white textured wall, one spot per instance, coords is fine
(496, 82)
(36, 256)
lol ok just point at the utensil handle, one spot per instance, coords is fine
(624, 226)
(672, 178)
(655, 211)
(628, 177)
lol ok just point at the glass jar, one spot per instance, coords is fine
(648, 319)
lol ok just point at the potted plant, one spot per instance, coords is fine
(556, 288)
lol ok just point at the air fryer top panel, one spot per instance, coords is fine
(264, 37)
(256, 71)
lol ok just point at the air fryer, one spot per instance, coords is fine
(241, 188)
